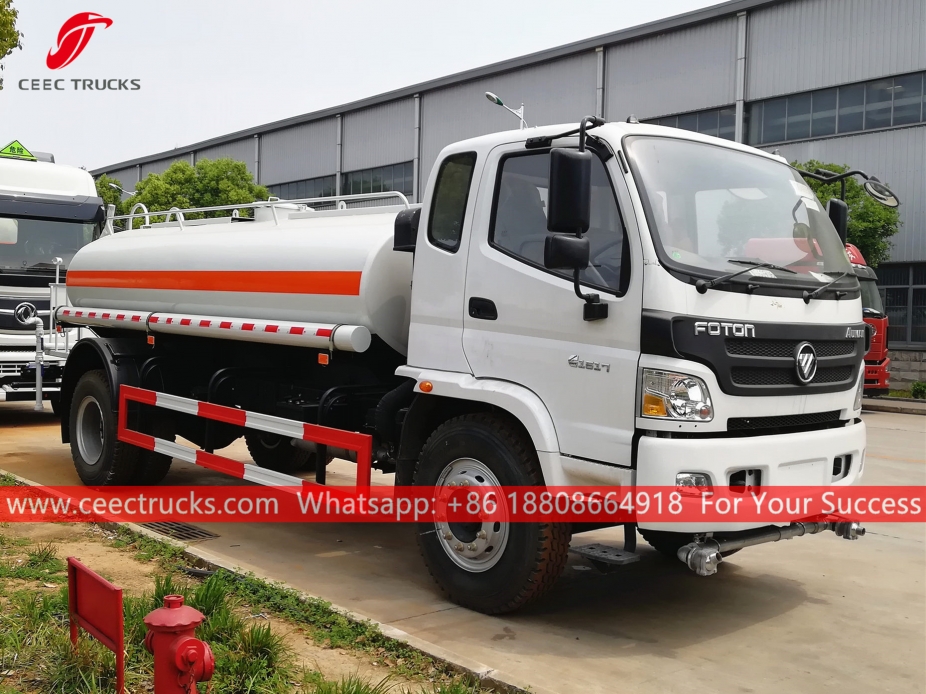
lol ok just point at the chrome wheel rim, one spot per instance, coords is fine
(479, 545)
(90, 430)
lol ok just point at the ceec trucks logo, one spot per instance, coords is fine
(73, 37)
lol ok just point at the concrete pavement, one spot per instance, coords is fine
(808, 615)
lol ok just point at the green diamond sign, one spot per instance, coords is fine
(15, 150)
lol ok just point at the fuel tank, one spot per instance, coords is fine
(318, 267)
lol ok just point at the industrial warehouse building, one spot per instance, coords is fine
(840, 81)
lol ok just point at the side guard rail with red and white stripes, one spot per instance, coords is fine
(362, 444)
(346, 338)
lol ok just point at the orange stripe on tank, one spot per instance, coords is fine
(343, 283)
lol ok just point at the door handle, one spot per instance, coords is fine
(484, 309)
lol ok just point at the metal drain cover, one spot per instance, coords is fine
(180, 531)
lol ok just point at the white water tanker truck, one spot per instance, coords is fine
(613, 304)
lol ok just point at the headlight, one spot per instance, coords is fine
(860, 391)
(675, 396)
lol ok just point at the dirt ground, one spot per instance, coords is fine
(87, 543)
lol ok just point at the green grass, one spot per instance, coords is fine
(900, 394)
(330, 628)
(251, 658)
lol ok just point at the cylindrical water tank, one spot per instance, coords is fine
(322, 267)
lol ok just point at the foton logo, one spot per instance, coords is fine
(73, 37)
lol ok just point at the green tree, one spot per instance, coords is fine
(871, 224)
(210, 183)
(10, 38)
(110, 195)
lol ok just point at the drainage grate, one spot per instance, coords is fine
(180, 531)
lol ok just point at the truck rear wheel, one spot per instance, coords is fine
(99, 457)
(277, 453)
(490, 567)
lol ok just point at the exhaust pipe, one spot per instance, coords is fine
(705, 556)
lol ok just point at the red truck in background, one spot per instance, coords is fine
(877, 363)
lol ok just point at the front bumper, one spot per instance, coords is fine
(878, 376)
(799, 459)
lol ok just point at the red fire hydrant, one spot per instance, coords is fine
(180, 659)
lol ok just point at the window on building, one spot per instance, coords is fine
(321, 187)
(398, 177)
(903, 292)
(519, 223)
(882, 103)
(717, 122)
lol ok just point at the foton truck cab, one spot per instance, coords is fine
(631, 305)
(877, 362)
(47, 213)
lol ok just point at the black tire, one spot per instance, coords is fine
(99, 457)
(277, 453)
(534, 554)
(153, 467)
(668, 543)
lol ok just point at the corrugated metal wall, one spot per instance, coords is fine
(127, 177)
(561, 91)
(303, 151)
(378, 136)
(161, 165)
(686, 70)
(897, 157)
(806, 44)
(240, 150)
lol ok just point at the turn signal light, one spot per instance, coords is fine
(425, 386)
(323, 359)
(653, 406)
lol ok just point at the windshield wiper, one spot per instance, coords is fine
(703, 285)
(757, 263)
(817, 292)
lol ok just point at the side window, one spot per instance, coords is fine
(445, 225)
(519, 222)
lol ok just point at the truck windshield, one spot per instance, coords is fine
(31, 245)
(871, 298)
(714, 210)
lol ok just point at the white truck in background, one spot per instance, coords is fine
(48, 212)
(613, 304)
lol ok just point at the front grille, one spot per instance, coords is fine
(782, 421)
(786, 376)
(781, 349)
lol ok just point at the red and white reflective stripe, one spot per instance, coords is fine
(130, 320)
(348, 338)
(327, 436)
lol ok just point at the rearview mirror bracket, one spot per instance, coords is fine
(568, 211)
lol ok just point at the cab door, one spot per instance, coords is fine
(524, 323)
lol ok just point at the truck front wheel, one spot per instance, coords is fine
(490, 567)
(100, 458)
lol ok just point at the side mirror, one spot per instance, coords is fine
(570, 193)
(838, 212)
(405, 234)
(565, 252)
(880, 192)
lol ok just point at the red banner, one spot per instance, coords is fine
(317, 504)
